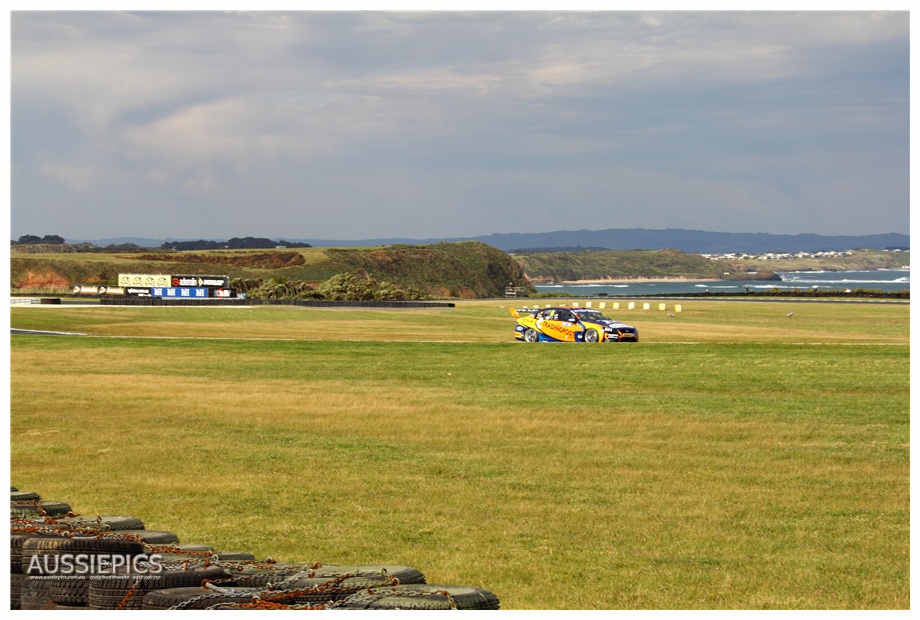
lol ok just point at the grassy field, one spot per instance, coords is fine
(736, 458)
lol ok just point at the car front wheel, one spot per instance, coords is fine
(591, 335)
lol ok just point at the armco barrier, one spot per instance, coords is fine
(312, 303)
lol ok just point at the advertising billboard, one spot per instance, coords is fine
(179, 293)
(143, 280)
(172, 281)
(199, 281)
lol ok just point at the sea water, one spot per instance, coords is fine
(884, 280)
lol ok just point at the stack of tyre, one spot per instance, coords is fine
(62, 560)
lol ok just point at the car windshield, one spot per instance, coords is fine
(592, 315)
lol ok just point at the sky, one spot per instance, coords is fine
(377, 124)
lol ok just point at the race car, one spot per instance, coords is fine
(564, 324)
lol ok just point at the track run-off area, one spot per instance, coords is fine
(736, 457)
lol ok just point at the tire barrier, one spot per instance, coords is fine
(127, 591)
(195, 597)
(57, 560)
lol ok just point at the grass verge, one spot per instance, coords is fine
(746, 472)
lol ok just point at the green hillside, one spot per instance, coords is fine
(463, 270)
(625, 264)
(621, 264)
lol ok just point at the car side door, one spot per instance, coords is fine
(564, 326)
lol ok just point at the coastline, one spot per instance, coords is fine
(629, 281)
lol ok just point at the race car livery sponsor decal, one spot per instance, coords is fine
(564, 330)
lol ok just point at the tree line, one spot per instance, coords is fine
(236, 243)
(35, 239)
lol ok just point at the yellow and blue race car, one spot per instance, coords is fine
(564, 324)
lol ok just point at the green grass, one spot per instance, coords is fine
(750, 471)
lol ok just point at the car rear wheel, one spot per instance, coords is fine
(591, 335)
(531, 335)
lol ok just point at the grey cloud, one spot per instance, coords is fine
(451, 124)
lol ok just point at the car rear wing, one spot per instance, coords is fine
(517, 312)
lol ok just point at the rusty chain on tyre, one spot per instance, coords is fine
(131, 591)
(271, 598)
(370, 596)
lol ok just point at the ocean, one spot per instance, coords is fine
(884, 280)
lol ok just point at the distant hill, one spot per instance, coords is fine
(693, 241)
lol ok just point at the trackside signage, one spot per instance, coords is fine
(150, 280)
(179, 293)
(143, 279)
(200, 281)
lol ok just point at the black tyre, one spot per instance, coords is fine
(29, 509)
(257, 574)
(127, 591)
(591, 335)
(16, 590)
(322, 590)
(422, 596)
(112, 522)
(260, 574)
(531, 335)
(24, 496)
(230, 556)
(151, 537)
(38, 553)
(404, 574)
(195, 597)
(16, 541)
(34, 593)
(69, 589)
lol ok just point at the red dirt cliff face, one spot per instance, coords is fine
(42, 280)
